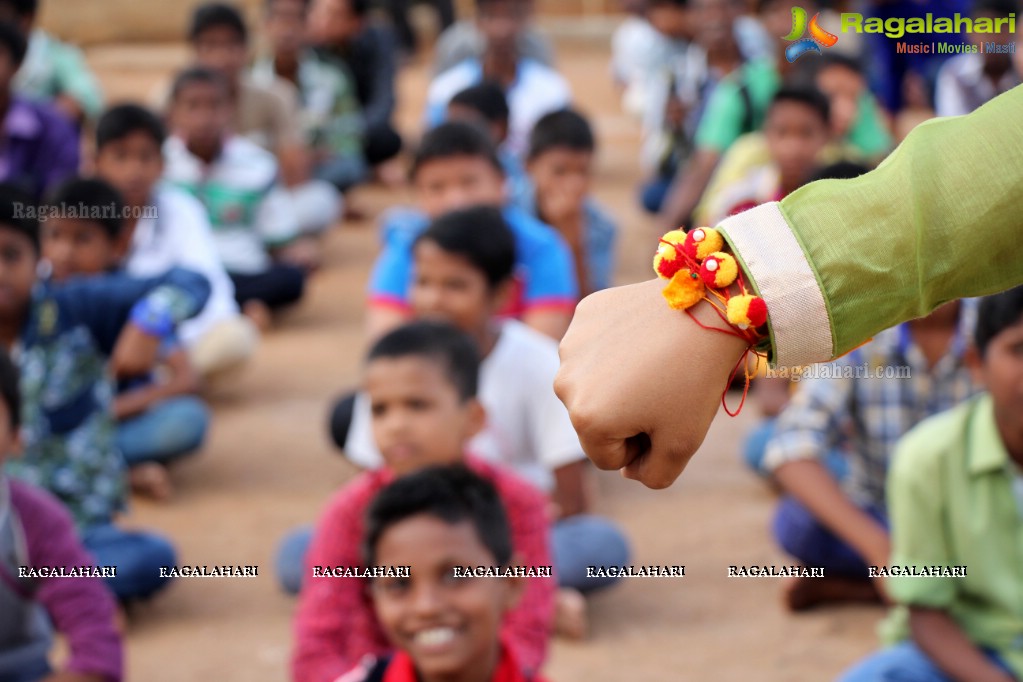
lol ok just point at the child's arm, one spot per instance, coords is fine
(81, 609)
(182, 380)
(950, 649)
(551, 288)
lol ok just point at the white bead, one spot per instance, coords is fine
(698, 236)
(712, 266)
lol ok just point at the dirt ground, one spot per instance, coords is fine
(268, 467)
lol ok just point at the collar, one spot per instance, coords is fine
(402, 669)
(987, 453)
(21, 120)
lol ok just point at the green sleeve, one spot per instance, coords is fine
(74, 78)
(938, 220)
(721, 122)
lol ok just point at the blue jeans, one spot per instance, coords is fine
(166, 431)
(903, 662)
(34, 671)
(798, 532)
(755, 447)
(576, 542)
(138, 556)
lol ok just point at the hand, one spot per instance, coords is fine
(303, 253)
(641, 381)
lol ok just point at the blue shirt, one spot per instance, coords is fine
(66, 391)
(545, 273)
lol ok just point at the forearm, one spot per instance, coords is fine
(811, 484)
(950, 649)
(551, 322)
(571, 494)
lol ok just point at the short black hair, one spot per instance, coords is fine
(200, 75)
(10, 390)
(479, 234)
(18, 212)
(997, 8)
(840, 170)
(565, 129)
(995, 314)
(360, 8)
(805, 95)
(452, 493)
(439, 342)
(675, 3)
(215, 15)
(22, 8)
(456, 138)
(486, 98)
(118, 122)
(90, 199)
(13, 40)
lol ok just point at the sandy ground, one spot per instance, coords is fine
(268, 466)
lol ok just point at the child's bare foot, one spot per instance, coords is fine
(259, 313)
(570, 614)
(802, 594)
(151, 480)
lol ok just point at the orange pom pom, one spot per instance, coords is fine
(684, 290)
(702, 241)
(667, 260)
(719, 270)
(746, 311)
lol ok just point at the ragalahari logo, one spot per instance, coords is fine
(818, 36)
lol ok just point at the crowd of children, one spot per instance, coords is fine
(128, 289)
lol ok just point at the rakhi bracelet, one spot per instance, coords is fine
(697, 268)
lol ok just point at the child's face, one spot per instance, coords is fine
(502, 21)
(563, 172)
(18, 260)
(285, 26)
(795, 136)
(332, 22)
(1001, 370)
(78, 247)
(449, 626)
(498, 130)
(670, 20)
(418, 417)
(221, 48)
(200, 114)
(132, 164)
(449, 288)
(448, 184)
(843, 88)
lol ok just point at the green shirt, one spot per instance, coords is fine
(742, 96)
(951, 503)
(839, 260)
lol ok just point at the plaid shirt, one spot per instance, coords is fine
(335, 626)
(865, 417)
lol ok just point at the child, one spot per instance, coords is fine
(455, 167)
(486, 104)
(869, 399)
(266, 114)
(71, 339)
(954, 492)
(560, 165)
(53, 71)
(168, 228)
(253, 221)
(464, 40)
(342, 32)
(331, 115)
(159, 419)
(421, 380)
(433, 521)
(532, 89)
(796, 131)
(857, 122)
(36, 531)
(38, 146)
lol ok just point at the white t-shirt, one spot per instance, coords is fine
(527, 427)
(248, 211)
(180, 236)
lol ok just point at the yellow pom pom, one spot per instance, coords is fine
(684, 290)
(746, 311)
(667, 260)
(703, 241)
(719, 270)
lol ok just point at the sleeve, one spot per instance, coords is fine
(809, 425)
(104, 304)
(275, 218)
(917, 518)
(550, 273)
(380, 104)
(335, 625)
(74, 78)
(721, 122)
(528, 626)
(81, 609)
(602, 243)
(838, 260)
(391, 277)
